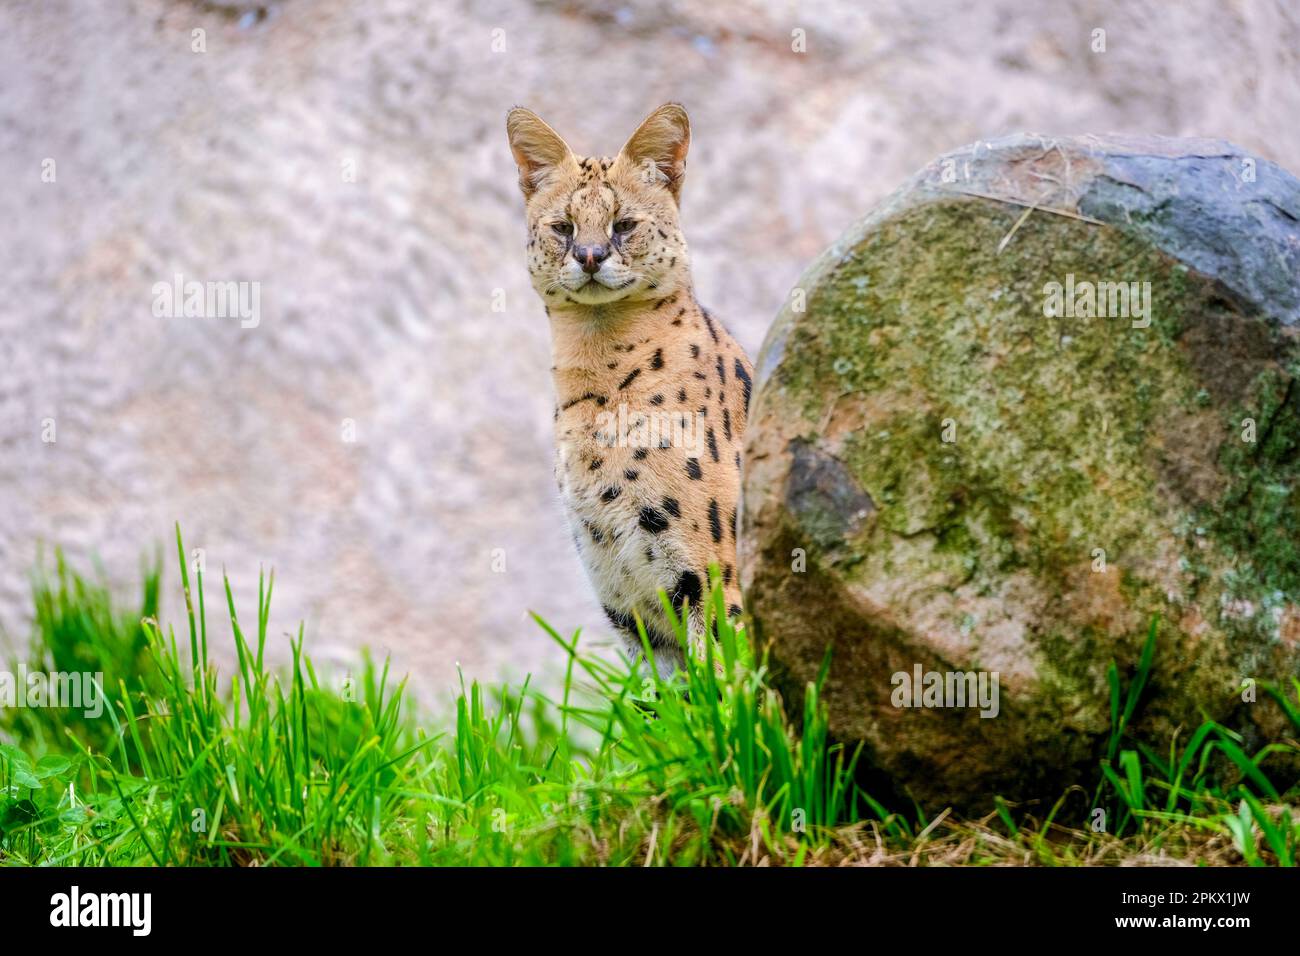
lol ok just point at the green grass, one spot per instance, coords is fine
(285, 766)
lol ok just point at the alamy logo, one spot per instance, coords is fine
(1101, 300)
(79, 691)
(651, 429)
(179, 299)
(947, 689)
(134, 910)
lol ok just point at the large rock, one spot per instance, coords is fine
(941, 473)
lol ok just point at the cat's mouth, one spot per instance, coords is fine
(595, 290)
(612, 287)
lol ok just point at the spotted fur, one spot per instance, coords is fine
(647, 448)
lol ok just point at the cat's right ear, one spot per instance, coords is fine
(538, 149)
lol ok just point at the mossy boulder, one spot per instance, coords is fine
(956, 465)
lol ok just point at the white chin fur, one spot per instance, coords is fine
(607, 285)
(593, 293)
(600, 288)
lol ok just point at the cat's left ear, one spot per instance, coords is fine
(657, 150)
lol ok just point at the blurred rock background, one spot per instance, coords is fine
(377, 294)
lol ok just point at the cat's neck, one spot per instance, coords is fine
(591, 337)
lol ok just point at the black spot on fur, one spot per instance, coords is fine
(733, 610)
(726, 424)
(708, 320)
(657, 360)
(688, 588)
(733, 524)
(727, 572)
(631, 474)
(589, 396)
(595, 464)
(695, 351)
(745, 381)
(712, 442)
(672, 507)
(681, 395)
(640, 454)
(657, 400)
(620, 619)
(652, 520)
(610, 493)
(630, 377)
(722, 372)
(693, 469)
(715, 520)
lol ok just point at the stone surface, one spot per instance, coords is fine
(978, 485)
(377, 295)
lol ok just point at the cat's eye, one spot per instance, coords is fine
(563, 228)
(624, 226)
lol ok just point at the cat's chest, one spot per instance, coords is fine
(597, 474)
(624, 512)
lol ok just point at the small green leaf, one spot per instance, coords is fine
(23, 777)
(15, 757)
(52, 766)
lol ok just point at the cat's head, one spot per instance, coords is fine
(604, 230)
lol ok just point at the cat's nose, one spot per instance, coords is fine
(590, 257)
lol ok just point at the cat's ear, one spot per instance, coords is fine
(538, 149)
(658, 148)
